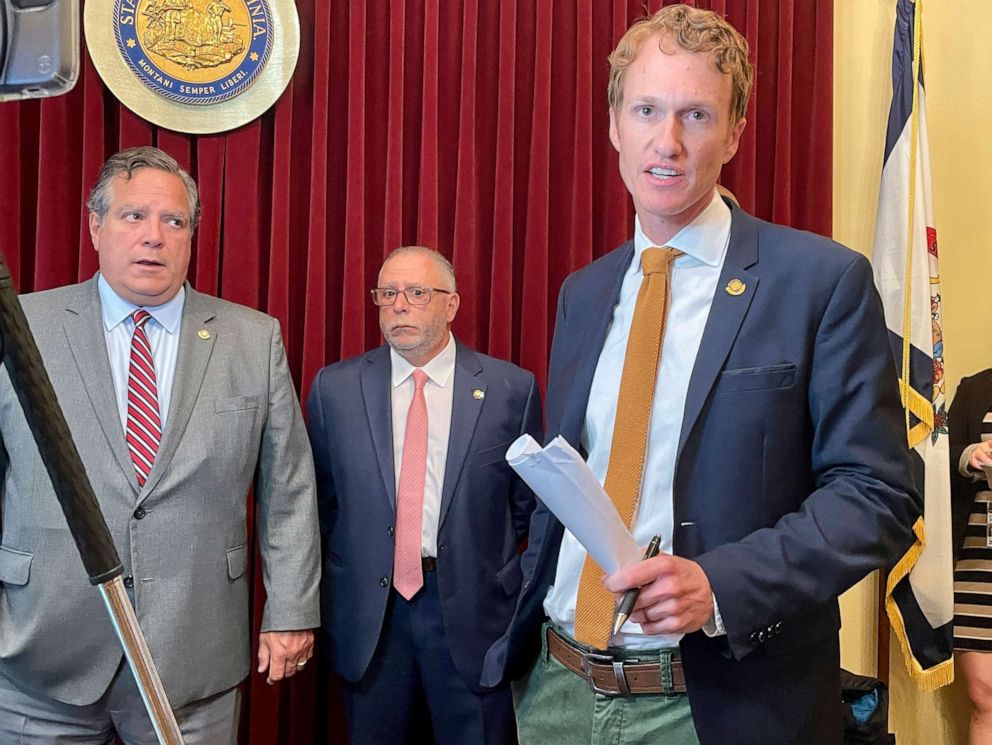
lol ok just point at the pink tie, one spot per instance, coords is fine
(144, 426)
(408, 575)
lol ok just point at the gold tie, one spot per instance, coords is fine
(595, 605)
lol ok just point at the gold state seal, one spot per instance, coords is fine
(194, 51)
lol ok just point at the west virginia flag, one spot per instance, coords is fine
(919, 593)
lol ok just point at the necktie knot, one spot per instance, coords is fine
(655, 259)
(140, 317)
(420, 379)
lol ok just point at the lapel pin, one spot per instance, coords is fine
(478, 394)
(203, 334)
(735, 287)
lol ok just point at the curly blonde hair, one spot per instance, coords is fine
(693, 30)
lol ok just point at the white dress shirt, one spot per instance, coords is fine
(694, 278)
(438, 394)
(162, 330)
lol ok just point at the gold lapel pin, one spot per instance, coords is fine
(478, 394)
(203, 334)
(735, 287)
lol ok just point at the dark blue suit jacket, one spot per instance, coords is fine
(791, 481)
(485, 508)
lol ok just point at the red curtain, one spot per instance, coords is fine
(476, 127)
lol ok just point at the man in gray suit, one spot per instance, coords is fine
(178, 403)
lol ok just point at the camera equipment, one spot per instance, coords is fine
(39, 48)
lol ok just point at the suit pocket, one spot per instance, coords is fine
(493, 455)
(15, 566)
(757, 378)
(510, 576)
(236, 403)
(237, 561)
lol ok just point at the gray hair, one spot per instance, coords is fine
(439, 259)
(125, 163)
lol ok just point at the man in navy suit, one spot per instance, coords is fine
(775, 466)
(422, 519)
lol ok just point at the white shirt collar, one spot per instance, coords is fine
(116, 309)
(704, 239)
(440, 369)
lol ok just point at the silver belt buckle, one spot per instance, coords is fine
(590, 658)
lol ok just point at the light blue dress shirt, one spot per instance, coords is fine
(162, 331)
(694, 278)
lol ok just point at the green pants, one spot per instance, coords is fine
(554, 706)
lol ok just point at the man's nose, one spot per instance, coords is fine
(154, 236)
(666, 136)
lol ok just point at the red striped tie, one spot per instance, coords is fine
(144, 426)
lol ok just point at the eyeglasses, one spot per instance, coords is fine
(413, 295)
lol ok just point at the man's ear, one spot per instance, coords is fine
(614, 135)
(454, 300)
(95, 224)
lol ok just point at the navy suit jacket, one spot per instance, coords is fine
(485, 508)
(791, 480)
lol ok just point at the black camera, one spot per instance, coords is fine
(39, 47)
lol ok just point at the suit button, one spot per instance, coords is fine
(778, 627)
(129, 581)
(753, 638)
(139, 513)
(390, 531)
(384, 582)
(762, 637)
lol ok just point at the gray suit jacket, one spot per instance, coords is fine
(234, 421)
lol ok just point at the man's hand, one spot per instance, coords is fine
(283, 653)
(675, 598)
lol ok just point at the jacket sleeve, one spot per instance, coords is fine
(286, 505)
(861, 511)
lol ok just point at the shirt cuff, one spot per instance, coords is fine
(715, 627)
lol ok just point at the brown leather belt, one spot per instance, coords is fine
(613, 677)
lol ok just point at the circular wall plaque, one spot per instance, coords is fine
(197, 66)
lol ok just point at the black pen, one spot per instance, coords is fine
(630, 597)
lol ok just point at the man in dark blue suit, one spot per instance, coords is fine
(773, 460)
(421, 518)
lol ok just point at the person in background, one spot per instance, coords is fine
(422, 519)
(178, 403)
(970, 431)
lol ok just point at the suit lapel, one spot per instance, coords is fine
(83, 328)
(466, 406)
(598, 326)
(376, 386)
(726, 315)
(191, 366)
